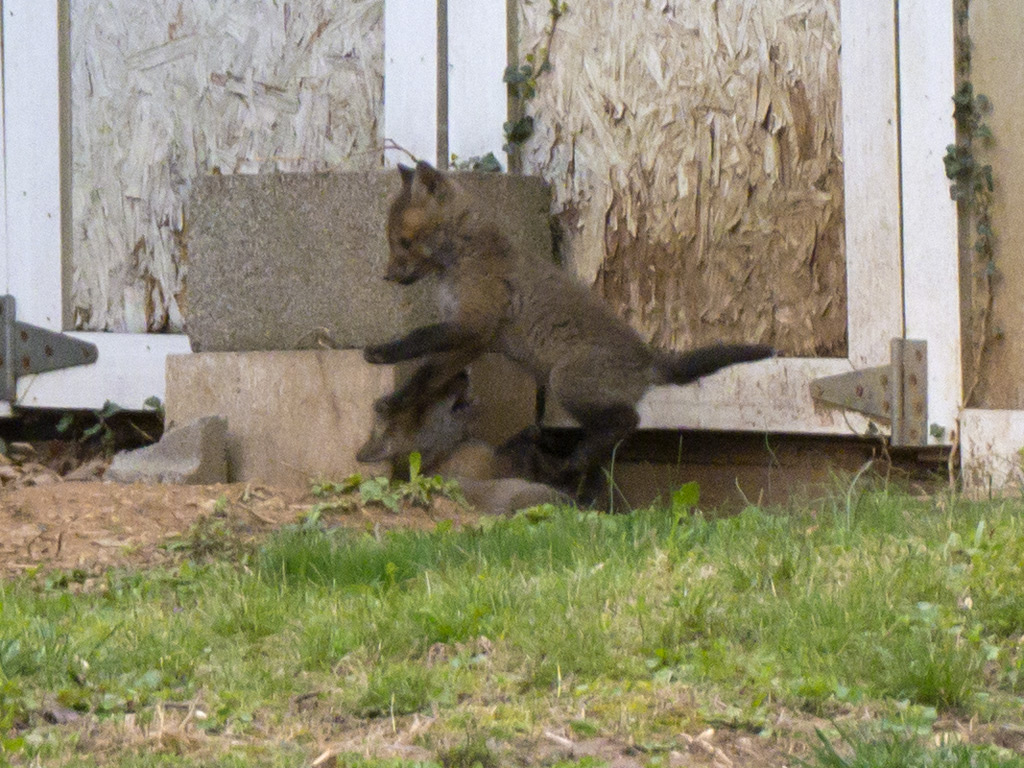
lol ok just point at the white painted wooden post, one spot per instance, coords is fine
(931, 275)
(871, 180)
(410, 79)
(32, 161)
(477, 96)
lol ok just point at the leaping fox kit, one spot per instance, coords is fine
(493, 299)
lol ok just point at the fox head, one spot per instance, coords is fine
(433, 430)
(416, 234)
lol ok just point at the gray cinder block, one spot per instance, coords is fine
(285, 261)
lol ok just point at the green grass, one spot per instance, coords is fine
(901, 752)
(908, 609)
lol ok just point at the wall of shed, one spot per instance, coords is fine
(695, 154)
(997, 29)
(165, 90)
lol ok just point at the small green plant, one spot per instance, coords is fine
(214, 536)
(12, 711)
(396, 689)
(903, 751)
(102, 426)
(685, 498)
(419, 489)
(485, 164)
(473, 752)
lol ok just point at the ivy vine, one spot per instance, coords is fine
(522, 81)
(971, 184)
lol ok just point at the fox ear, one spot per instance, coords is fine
(407, 174)
(432, 179)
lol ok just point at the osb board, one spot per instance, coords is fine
(694, 152)
(164, 91)
(997, 70)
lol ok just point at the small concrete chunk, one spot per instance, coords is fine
(193, 454)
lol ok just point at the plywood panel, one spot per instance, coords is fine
(165, 91)
(694, 151)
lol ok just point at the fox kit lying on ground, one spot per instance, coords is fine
(492, 298)
(491, 479)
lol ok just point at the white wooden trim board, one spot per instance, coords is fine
(931, 276)
(130, 369)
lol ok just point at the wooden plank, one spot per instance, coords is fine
(871, 170)
(130, 369)
(410, 78)
(930, 249)
(32, 148)
(769, 396)
(991, 461)
(477, 96)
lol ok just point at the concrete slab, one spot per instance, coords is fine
(294, 416)
(284, 261)
(191, 454)
(992, 452)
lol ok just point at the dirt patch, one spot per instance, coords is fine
(92, 526)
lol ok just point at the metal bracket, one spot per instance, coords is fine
(28, 349)
(896, 393)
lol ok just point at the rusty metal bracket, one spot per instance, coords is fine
(896, 393)
(26, 349)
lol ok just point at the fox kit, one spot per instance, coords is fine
(492, 480)
(492, 298)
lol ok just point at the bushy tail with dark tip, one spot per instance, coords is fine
(686, 367)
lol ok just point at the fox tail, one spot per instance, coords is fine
(686, 367)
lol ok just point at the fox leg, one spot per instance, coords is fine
(603, 428)
(426, 340)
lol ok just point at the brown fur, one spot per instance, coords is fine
(439, 431)
(592, 362)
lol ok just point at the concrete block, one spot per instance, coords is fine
(294, 416)
(192, 454)
(282, 261)
(992, 452)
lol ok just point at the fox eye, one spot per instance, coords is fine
(405, 242)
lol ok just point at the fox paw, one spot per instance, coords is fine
(378, 354)
(384, 406)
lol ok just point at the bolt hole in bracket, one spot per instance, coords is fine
(896, 394)
(26, 349)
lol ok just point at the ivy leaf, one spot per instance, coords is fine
(520, 130)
